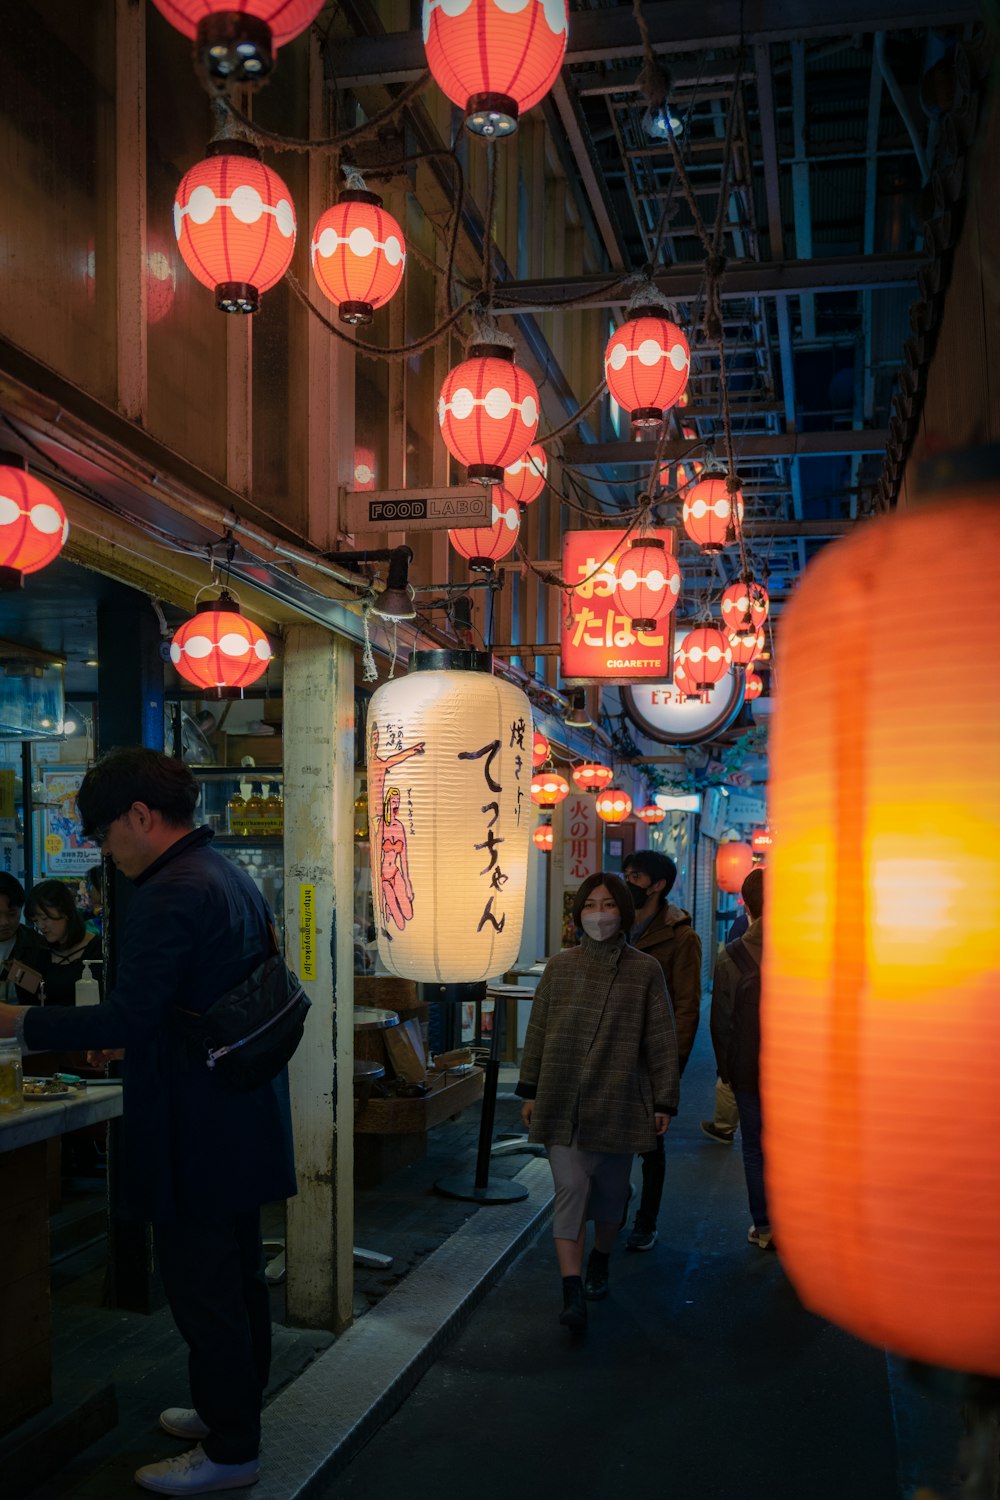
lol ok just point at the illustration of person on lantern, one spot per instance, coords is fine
(378, 768)
(394, 874)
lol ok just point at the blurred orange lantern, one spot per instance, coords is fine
(648, 582)
(548, 788)
(733, 864)
(33, 525)
(358, 255)
(525, 478)
(235, 225)
(495, 60)
(753, 686)
(542, 837)
(236, 41)
(539, 749)
(743, 603)
(220, 648)
(706, 656)
(650, 813)
(745, 644)
(760, 840)
(614, 805)
(483, 546)
(646, 366)
(488, 411)
(688, 472)
(708, 513)
(592, 776)
(882, 962)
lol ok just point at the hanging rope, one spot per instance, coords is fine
(331, 145)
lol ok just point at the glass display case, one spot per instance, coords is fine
(244, 808)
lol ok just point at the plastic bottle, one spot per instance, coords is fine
(88, 991)
(274, 813)
(236, 814)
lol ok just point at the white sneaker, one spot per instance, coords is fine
(183, 1422)
(194, 1473)
(762, 1238)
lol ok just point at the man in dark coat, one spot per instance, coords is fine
(663, 931)
(198, 1158)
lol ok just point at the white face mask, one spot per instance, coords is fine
(600, 925)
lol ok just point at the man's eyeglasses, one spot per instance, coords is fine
(98, 835)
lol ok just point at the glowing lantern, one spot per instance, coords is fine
(364, 468)
(236, 41)
(358, 255)
(539, 750)
(33, 525)
(650, 813)
(753, 686)
(614, 805)
(235, 225)
(648, 582)
(646, 365)
(744, 602)
(548, 788)
(745, 645)
(733, 864)
(483, 546)
(708, 514)
(495, 60)
(882, 964)
(525, 478)
(542, 838)
(706, 656)
(220, 648)
(760, 841)
(592, 776)
(449, 839)
(488, 412)
(688, 472)
(683, 682)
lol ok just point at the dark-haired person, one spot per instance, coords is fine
(60, 923)
(663, 931)
(199, 1158)
(599, 1078)
(95, 897)
(16, 940)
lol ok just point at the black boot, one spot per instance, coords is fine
(595, 1285)
(574, 1313)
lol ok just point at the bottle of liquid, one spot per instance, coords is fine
(88, 991)
(255, 812)
(361, 816)
(11, 1077)
(274, 812)
(236, 814)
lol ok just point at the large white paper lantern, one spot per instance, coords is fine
(450, 818)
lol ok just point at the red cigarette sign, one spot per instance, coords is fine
(597, 642)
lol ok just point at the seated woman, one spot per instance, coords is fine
(54, 912)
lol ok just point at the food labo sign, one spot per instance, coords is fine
(597, 643)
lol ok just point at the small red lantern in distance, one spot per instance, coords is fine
(235, 225)
(525, 478)
(753, 686)
(548, 788)
(33, 525)
(745, 645)
(592, 776)
(705, 656)
(646, 365)
(358, 255)
(364, 468)
(743, 603)
(542, 837)
(488, 411)
(733, 864)
(648, 582)
(614, 805)
(539, 749)
(495, 60)
(650, 813)
(760, 840)
(220, 648)
(237, 41)
(708, 514)
(483, 546)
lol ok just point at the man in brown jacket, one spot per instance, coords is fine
(664, 931)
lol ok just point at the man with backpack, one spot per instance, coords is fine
(735, 1023)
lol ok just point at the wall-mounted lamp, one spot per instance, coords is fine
(396, 600)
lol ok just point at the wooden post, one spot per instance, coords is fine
(130, 188)
(319, 850)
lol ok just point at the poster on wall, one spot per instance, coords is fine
(581, 855)
(67, 852)
(597, 643)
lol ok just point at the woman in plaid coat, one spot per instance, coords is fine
(599, 1078)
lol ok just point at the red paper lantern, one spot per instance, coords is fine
(648, 582)
(760, 840)
(745, 645)
(592, 776)
(364, 468)
(548, 788)
(688, 472)
(495, 60)
(542, 838)
(488, 411)
(708, 514)
(743, 603)
(358, 255)
(33, 525)
(236, 41)
(539, 749)
(753, 686)
(614, 805)
(525, 478)
(683, 682)
(650, 813)
(235, 225)
(646, 365)
(705, 656)
(485, 545)
(220, 648)
(733, 864)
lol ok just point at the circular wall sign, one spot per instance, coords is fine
(661, 711)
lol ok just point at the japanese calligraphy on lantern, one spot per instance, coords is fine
(581, 840)
(597, 643)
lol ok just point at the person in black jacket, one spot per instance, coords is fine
(198, 1158)
(17, 941)
(63, 930)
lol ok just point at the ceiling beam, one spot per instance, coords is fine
(755, 445)
(610, 33)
